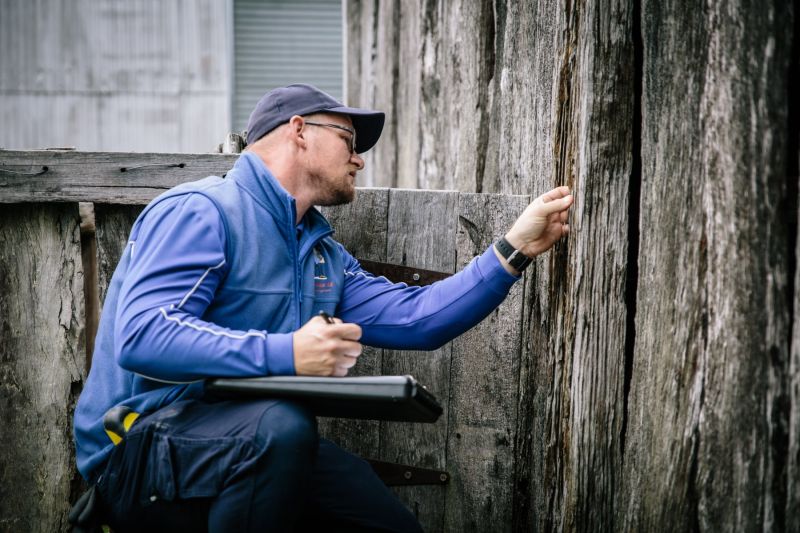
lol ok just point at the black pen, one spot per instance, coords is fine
(328, 318)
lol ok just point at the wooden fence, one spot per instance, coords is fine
(480, 440)
(665, 390)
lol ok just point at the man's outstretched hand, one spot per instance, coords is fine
(323, 349)
(542, 223)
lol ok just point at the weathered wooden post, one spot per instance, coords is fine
(42, 362)
(709, 405)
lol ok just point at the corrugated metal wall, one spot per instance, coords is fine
(138, 75)
(282, 42)
(149, 75)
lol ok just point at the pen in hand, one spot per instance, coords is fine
(326, 317)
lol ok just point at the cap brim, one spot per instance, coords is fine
(367, 123)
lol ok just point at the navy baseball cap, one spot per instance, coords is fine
(279, 105)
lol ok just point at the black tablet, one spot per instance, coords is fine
(395, 398)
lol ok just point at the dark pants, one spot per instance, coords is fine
(257, 465)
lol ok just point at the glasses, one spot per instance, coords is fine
(351, 141)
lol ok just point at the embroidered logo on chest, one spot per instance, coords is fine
(322, 283)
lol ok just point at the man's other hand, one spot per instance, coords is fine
(323, 349)
(542, 223)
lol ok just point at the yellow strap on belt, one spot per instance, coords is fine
(130, 418)
(118, 421)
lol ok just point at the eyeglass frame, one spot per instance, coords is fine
(352, 132)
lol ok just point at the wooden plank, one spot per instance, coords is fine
(113, 227)
(355, 34)
(98, 176)
(361, 227)
(538, 37)
(529, 38)
(91, 299)
(571, 393)
(502, 139)
(42, 363)
(465, 72)
(406, 87)
(706, 445)
(793, 451)
(593, 138)
(432, 91)
(383, 158)
(371, 50)
(484, 375)
(422, 227)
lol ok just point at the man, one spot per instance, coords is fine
(218, 280)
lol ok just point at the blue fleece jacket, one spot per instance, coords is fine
(216, 277)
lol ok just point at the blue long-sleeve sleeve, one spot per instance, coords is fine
(398, 316)
(177, 261)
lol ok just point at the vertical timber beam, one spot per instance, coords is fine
(42, 363)
(422, 234)
(372, 69)
(484, 375)
(793, 185)
(706, 438)
(593, 316)
(572, 381)
(113, 225)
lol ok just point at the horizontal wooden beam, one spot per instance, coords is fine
(101, 177)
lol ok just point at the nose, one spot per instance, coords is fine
(358, 160)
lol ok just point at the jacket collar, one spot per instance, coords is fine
(250, 173)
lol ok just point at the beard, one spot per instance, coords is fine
(331, 192)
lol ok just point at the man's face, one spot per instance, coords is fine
(332, 165)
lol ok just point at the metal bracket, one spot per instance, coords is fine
(401, 273)
(394, 474)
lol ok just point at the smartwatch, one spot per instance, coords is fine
(515, 258)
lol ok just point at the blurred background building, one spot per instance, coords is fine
(146, 75)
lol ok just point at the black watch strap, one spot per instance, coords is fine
(515, 258)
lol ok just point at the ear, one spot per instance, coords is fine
(297, 131)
